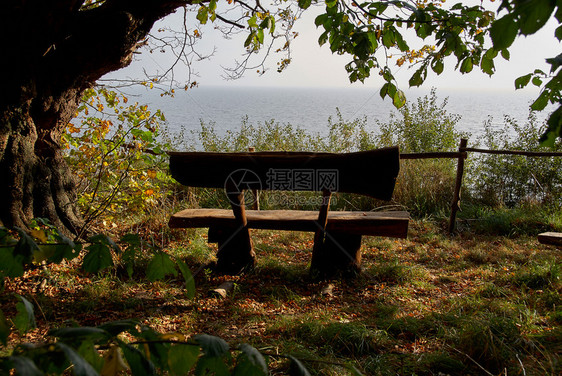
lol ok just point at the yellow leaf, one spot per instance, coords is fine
(39, 235)
(149, 192)
(172, 336)
(113, 362)
(151, 174)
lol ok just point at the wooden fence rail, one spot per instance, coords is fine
(461, 155)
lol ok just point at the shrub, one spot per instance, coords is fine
(106, 147)
(511, 180)
(425, 187)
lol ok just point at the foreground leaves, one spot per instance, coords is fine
(149, 354)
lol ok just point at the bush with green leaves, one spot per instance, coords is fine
(127, 345)
(424, 187)
(422, 126)
(342, 136)
(20, 251)
(513, 180)
(107, 147)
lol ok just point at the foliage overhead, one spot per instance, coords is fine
(473, 35)
(379, 36)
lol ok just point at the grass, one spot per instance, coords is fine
(427, 305)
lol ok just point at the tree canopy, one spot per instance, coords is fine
(378, 37)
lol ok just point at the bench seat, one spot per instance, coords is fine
(551, 238)
(390, 223)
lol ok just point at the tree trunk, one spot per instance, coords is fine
(53, 52)
(36, 181)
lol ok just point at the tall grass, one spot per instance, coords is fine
(497, 189)
(424, 186)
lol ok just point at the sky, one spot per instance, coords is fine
(315, 66)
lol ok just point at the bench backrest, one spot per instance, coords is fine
(372, 173)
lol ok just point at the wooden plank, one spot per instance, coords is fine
(551, 238)
(392, 223)
(372, 173)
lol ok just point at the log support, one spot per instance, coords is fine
(235, 251)
(339, 255)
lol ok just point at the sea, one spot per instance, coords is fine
(310, 108)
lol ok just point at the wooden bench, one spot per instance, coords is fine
(337, 238)
(551, 238)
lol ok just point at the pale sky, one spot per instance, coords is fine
(315, 66)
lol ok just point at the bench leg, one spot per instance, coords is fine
(236, 251)
(340, 254)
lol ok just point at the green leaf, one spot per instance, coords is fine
(66, 249)
(211, 366)
(26, 246)
(399, 99)
(419, 76)
(304, 4)
(212, 346)
(533, 15)
(25, 318)
(388, 38)
(117, 327)
(10, 266)
(555, 63)
(154, 350)
(323, 38)
(503, 32)
(181, 358)
(320, 19)
(188, 278)
(88, 351)
(203, 14)
(384, 90)
(24, 366)
(249, 39)
(104, 239)
(253, 21)
(537, 81)
(296, 368)
(113, 363)
(505, 54)
(160, 266)
(522, 81)
(554, 129)
(81, 367)
(139, 364)
(558, 33)
(541, 102)
(437, 66)
(4, 328)
(98, 258)
(250, 362)
(81, 333)
(466, 65)
(401, 43)
(487, 66)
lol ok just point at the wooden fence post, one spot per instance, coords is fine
(455, 204)
(255, 192)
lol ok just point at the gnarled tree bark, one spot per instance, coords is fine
(56, 50)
